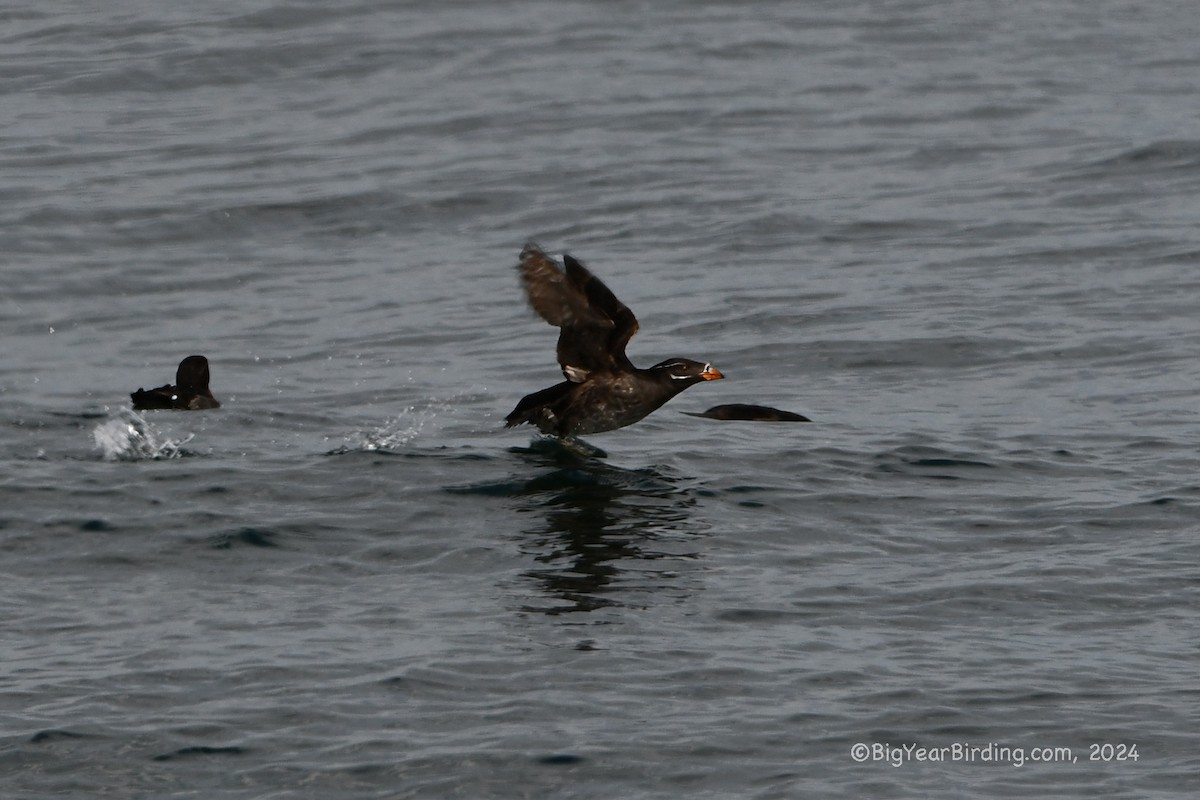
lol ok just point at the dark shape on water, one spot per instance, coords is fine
(257, 537)
(52, 734)
(190, 391)
(200, 750)
(749, 413)
(560, 759)
(604, 390)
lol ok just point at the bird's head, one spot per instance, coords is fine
(687, 371)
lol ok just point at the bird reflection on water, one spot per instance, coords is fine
(604, 535)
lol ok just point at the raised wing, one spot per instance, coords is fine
(601, 299)
(594, 325)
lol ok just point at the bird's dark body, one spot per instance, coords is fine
(604, 390)
(190, 392)
(749, 413)
(605, 402)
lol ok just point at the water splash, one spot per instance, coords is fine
(127, 436)
(396, 434)
(393, 434)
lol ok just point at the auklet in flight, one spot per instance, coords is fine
(189, 392)
(603, 390)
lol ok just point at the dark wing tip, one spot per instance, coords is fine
(535, 265)
(532, 250)
(557, 294)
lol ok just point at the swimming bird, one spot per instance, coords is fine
(190, 391)
(603, 390)
(750, 413)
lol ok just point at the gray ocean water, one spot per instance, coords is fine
(961, 236)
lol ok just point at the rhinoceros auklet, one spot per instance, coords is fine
(189, 392)
(603, 390)
(749, 413)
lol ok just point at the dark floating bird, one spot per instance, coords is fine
(750, 413)
(603, 390)
(190, 391)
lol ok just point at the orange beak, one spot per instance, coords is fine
(711, 373)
